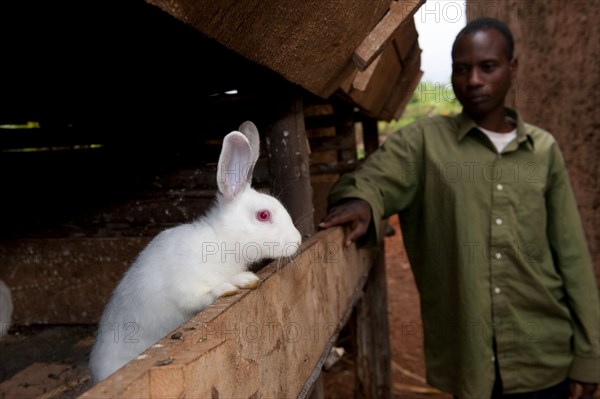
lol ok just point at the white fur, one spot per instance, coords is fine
(6, 308)
(184, 269)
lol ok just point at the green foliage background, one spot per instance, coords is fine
(429, 99)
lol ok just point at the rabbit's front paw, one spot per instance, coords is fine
(246, 280)
(225, 289)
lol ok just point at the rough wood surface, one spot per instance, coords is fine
(370, 135)
(392, 53)
(361, 79)
(405, 38)
(381, 83)
(289, 153)
(403, 88)
(385, 87)
(64, 281)
(310, 43)
(399, 13)
(374, 378)
(344, 129)
(271, 338)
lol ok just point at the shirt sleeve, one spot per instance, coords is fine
(388, 180)
(573, 261)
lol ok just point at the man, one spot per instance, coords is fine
(509, 302)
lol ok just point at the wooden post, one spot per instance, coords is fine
(373, 354)
(370, 135)
(344, 128)
(289, 166)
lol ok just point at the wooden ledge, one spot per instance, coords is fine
(266, 342)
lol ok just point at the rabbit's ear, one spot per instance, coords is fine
(235, 161)
(251, 132)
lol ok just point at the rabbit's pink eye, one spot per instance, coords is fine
(263, 216)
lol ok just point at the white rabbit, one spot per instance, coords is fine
(185, 268)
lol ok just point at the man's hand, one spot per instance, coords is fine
(355, 212)
(582, 390)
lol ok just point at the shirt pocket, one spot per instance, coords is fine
(532, 222)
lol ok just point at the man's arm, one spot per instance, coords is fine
(573, 261)
(384, 184)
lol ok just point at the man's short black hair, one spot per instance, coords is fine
(480, 24)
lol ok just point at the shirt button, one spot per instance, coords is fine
(498, 255)
(500, 187)
(493, 359)
(497, 290)
(498, 221)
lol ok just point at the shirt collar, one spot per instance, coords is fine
(466, 124)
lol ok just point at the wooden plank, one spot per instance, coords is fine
(375, 90)
(379, 37)
(326, 143)
(362, 78)
(72, 276)
(308, 43)
(320, 121)
(370, 135)
(145, 216)
(381, 83)
(404, 41)
(344, 128)
(405, 38)
(333, 167)
(347, 83)
(403, 88)
(270, 338)
(411, 86)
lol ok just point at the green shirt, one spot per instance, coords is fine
(497, 250)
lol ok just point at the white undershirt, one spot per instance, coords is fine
(500, 140)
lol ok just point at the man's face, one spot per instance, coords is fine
(481, 71)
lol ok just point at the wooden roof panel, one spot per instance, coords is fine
(315, 44)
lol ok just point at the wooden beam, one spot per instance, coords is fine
(259, 343)
(381, 84)
(327, 143)
(406, 38)
(370, 135)
(410, 87)
(362, 78)
(288, 150)
(404, 87)
(333, 167)
(373, 354)
(308, 43)
(378, 38)
(344, 128)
